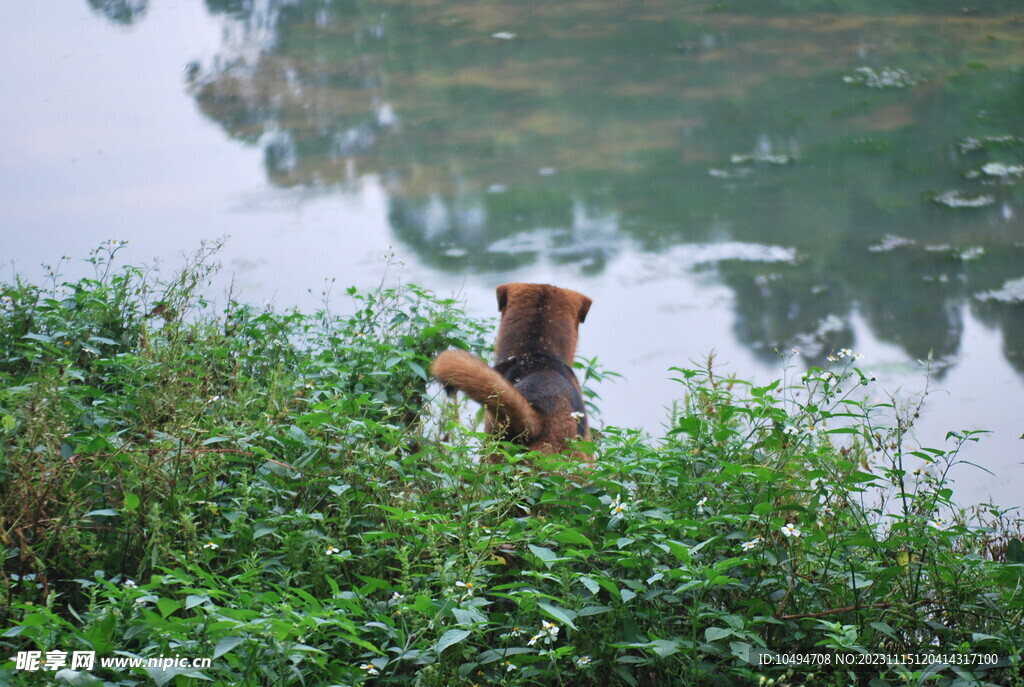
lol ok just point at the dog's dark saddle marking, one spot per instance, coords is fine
(517, 367)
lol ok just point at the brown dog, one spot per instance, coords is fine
(531, 395)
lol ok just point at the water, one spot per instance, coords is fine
(742, 177)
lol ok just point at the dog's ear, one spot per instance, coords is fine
(502, 297)
(584, 307)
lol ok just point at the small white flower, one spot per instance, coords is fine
(827, 511)
(831, 358)
(466, 585)
(938, 523)
(582, 661)
(548, 632)
(510, 666)
(791, 430)
(130, 584)
(516, 632)
(576, 415)
(397, 598)
(369, 668)
(700, 504)
(618, 507)
(790, 530)
(211, 545)
(752, 544)
(333, 550)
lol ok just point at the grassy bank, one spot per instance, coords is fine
(285, 494)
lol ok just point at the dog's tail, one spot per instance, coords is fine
(464, 371)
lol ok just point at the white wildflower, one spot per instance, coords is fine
(548, 633)
(790, 530)
(752, 544)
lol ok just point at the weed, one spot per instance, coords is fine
(279, 492)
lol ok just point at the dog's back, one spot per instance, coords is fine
(532, 395)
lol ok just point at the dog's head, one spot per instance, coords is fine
(540, 317)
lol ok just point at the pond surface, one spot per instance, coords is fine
(740, 177)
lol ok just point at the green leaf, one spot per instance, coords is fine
(664, 647)
(713, 634)
(193, 600)
(167, 606)
(572, 536)
(562, 615)
(546, 555)
(100, 635)
(590, 583)
(314, 419)
(225, 645)
(468, 616)
(492, 655)
(106, 512)
(418, 369)
(679, 550)
(131, 502)
(423, 604)
(77, 678)
(592, 610)
(450, 638)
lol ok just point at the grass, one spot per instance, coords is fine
(286, 494)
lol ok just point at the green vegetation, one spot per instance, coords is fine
(285, 494)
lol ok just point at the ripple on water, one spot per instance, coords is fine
(885, 77)
(959, 199)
